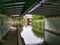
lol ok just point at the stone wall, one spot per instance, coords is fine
(5, 23)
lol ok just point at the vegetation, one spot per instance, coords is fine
(18, 19)
(38, 25)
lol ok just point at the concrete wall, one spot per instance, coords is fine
(5, 23)
(52, 24)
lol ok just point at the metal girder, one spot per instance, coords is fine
(29, 4)
(46, 7)
(11, 5)
(11, 1)
(49, 8)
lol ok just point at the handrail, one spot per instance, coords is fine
(53, 32)
(19, 42)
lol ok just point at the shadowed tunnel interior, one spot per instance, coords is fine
(50, 9)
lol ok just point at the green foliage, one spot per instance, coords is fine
(21, 21)
(36, 17)
(38, 26)
(38, 33)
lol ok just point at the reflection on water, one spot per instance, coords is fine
(29, 37)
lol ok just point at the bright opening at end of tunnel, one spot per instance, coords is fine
(32, 29)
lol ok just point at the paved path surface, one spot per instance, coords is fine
(29, 37)
(11, 38)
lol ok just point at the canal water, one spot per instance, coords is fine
(29, 37)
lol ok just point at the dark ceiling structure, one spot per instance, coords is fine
(11, 7)
(48, 8)
(21, 7)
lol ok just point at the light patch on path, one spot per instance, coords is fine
(29, 36)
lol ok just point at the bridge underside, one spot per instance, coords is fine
(47, 8)
(21, 7)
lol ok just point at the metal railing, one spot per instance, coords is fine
(19, 38)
